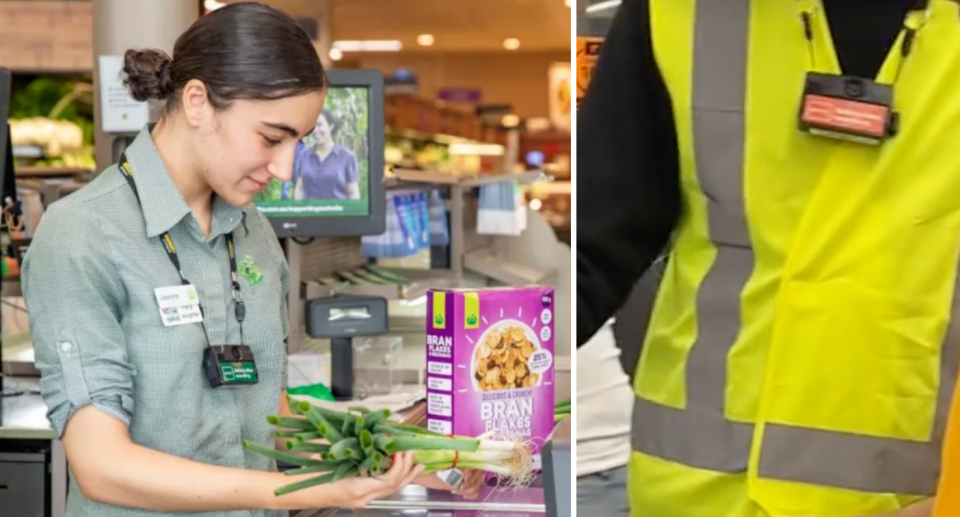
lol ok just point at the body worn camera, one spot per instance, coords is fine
(848, 108)
(230, 365)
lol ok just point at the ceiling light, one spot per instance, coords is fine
(368, 46)
(603, 6)
(425, 40)
(566, 3)
(336, 54)
(511, 43)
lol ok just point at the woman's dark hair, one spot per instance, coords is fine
(243, 50)
(333, 121)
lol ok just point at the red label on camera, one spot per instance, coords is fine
(846, 115)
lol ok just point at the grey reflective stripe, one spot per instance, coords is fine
(699, 439)
(720, 51)
(849, 461)
(699, 435)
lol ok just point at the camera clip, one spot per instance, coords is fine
(848, 108)
(230, 365)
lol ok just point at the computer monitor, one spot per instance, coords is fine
(7, 181)
(8, 187)
(337, 187)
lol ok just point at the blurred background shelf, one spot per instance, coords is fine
(489, 263)
(50, 172)
(419, 281)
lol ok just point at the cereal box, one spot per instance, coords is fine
(490, 363)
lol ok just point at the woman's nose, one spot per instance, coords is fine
(282, 169)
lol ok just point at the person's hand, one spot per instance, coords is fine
(358, 492)
(473, 480)
(469, 487)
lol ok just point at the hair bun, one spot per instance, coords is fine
(147, 74)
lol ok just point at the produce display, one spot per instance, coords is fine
(59, 141)
(490, 363)
(407, 152)
(53, 118)
(335, 445)
(561, 410)
(56, 137)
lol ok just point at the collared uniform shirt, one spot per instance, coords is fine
(89, 280)
(326, 178)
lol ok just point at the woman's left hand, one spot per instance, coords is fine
(469, 488)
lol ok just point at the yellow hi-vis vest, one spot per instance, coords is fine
(805, 341)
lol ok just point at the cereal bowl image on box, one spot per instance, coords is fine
(508, 356)
(490, 363)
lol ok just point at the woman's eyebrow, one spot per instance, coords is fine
(281, 127)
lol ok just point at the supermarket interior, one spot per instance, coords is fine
(454, 249)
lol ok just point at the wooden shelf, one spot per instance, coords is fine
(434, 138)
(76, 173)
(408, 176)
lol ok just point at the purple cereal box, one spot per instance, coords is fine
(490, 363)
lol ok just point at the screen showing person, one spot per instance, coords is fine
(331, 166)
(326, 169)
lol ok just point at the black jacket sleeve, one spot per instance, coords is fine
(628, 179)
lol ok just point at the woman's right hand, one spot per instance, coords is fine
(358, 492)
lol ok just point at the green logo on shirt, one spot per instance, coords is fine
(249, 270)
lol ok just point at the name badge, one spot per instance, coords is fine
(848, 108)
(179, 305)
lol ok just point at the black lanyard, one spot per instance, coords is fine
(240, 310)
(909, 33)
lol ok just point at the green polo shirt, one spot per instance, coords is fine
(89, 279)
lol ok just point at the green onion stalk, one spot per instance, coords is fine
(333, 445)
(561, 410)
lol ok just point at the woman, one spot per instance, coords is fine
(129, 281)
(327, 170)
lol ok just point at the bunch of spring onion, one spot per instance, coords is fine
(335, 445)
(561, 410)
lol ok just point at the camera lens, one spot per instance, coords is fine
(236, 353)
(853, 88)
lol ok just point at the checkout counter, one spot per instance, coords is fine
(33, 466)
(33, 474)
(415, 501)
(549, 496)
